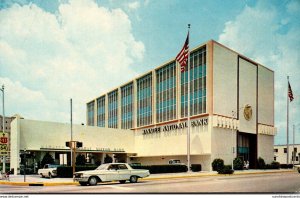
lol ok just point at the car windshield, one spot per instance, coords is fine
(53, 166)
(103, 167)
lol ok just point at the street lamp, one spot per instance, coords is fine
(3, 120)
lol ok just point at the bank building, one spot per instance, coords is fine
(145, 120)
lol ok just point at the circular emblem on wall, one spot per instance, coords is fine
(248, 112)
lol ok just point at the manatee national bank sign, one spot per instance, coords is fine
(182, 125)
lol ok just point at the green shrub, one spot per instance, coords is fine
(226, 170)
(196, 167)
(108, 159)
(238, 164)
(217, 164)
(80, 160)
(275, 165)
(261, 163)
(47, 159)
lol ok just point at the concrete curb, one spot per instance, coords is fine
(38, 183)
(143, 179)
(214, 174)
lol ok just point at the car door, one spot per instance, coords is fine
(123, 172)
(112, 173)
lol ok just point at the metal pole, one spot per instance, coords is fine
(71, 143)
(232, 140)
(188, 122)
(293, 152)
(3, 125)
(287, 123)
(24, 165)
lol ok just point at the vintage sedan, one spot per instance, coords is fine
(49, 170)
(110, 172)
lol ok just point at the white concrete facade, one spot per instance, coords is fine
(233, 83)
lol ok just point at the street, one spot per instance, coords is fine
(254, 183)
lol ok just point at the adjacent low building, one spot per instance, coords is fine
(231, 113)
(281, 151)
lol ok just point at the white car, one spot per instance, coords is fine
(175, 162)
(49, 170)
(297, 167)
(110, 172)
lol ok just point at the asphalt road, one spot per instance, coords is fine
(254, 183)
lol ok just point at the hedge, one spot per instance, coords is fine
(286, 165)
(196, 167)
(153, 169)
(67, 171)
(226, 170)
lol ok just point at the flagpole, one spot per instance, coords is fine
(293, 152)
(188, 122)
(287, 123)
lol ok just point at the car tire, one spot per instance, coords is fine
(83, 183)
(50, 175)
(93, 181)
(122, 181)
(133, 179)
(42, 175)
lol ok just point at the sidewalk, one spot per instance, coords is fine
(36, 180)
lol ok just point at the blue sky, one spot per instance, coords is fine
(51, 51)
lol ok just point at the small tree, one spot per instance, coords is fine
(47, 159)
(80, 159)
(108, 159)
(261, 163)
(217, 164)
(238, 164)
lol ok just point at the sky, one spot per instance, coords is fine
(54, 50)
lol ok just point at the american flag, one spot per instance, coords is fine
(290, 93)
(182, 56)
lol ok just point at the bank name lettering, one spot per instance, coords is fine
(182, 125)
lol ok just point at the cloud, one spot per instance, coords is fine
(271, 37)
(134, 5)
(79, 52)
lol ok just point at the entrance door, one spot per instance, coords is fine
(247, 148)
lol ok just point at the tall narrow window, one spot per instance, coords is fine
(90, 111)
(197, 84)
(113, 109)
(166, 93)
(101, 111)
(127, 106)
(144, 100)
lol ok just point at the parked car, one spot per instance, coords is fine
(110, 172)
(297, 167)
(49, 170)
(175, 162)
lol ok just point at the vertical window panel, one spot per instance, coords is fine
(113, 109)
(144, 100)
(90, 110)
(126, 106)
(166, 93)
(101, 111)
(197, 85)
